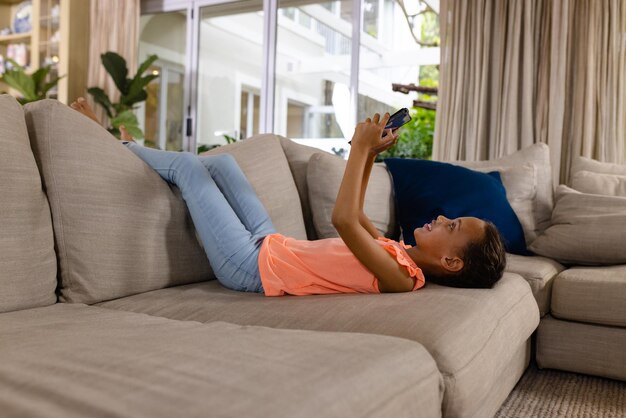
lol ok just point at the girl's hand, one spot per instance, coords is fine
(387, 141)
(368, 135)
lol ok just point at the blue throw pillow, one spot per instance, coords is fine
(426, 189)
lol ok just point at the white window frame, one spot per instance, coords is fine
(268, 91)
(284, 96)
(248, 84)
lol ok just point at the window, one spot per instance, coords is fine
(303, 86)
(250, 110)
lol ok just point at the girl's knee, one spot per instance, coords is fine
(221, 162)
(184, 165)
(186, 159)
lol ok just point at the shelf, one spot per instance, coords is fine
(10, 1)
(50, 38)
(14, 37)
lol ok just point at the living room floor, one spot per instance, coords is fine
(556, 394)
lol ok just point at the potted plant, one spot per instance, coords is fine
(32, 87)
(132, 91)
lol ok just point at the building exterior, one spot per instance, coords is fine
(311, 79)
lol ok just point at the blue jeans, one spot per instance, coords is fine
(229, 218)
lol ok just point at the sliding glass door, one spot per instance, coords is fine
(162, 115)
(229, 72)
(313, 70)
(305, 69)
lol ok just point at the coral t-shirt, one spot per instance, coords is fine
(297, 267)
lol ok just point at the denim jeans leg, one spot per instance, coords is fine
(231, 249)
(239, 193)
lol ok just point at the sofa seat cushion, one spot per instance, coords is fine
(539, 272)
(28, 266)
(75, 361)
(471, 333)
(591, 294)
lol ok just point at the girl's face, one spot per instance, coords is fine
(445, 237)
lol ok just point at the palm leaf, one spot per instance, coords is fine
(146, 64)
(116, 67)
(136, 92)
(101, 98)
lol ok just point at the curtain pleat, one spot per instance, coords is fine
(114, 27)
(517, 72)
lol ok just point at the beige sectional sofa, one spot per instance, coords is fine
(108, 306)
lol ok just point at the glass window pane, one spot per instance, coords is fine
(249, 114)
(162, 115)
(174, 120)
(389, 54)
(229, 72)
(312, 99)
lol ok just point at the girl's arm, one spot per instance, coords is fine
(346, 216)
(363, 219)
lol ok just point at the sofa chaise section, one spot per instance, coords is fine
(478, 338)
(72, 360)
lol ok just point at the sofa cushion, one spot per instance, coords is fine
(263, 161)
(472, 334)
(298, 157)
(75, 360)
(599, 183)
(593, 294)
(587, 229)
(587, 164)
(536, 156)
(582, 348)
(28, 266)
(539, 272)
(520, 183)
(119, 228)
(426, 189)
(324, 175)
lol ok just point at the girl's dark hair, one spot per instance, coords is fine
(484, 263)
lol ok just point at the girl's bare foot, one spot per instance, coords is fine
(81, 105)
(124, 135)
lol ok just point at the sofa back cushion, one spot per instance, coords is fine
(119, 228)
(28, 267)
(324, 175)
(263, 161)
(587, 164)
(587, 229)
(599, 183)
(298, 156)
(527, 178)
(426, 189)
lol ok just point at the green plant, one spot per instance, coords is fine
(132, 91)
(32, 87)
(229, 139)
(416, 137)
(204, 148)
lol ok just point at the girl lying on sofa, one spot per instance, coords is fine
(247, 254)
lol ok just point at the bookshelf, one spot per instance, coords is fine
(59, 37)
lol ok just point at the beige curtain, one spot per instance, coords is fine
(114, 27)
(516, 72)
